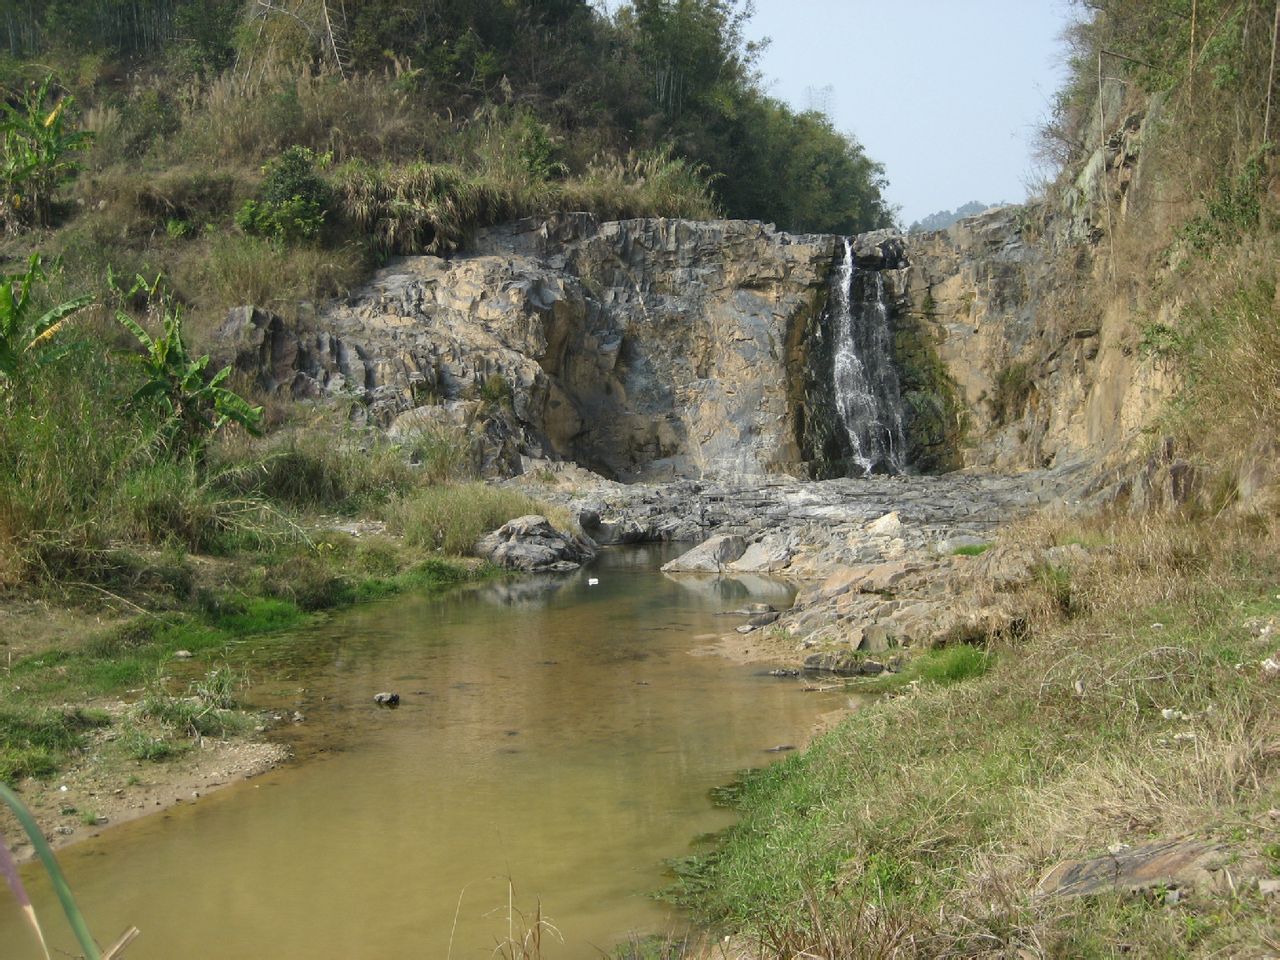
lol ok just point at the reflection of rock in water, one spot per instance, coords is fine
(532, 591)
(740, 586)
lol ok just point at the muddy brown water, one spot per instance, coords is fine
(555, 744)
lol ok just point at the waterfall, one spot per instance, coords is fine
(868, 398)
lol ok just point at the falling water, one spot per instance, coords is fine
(866, 384)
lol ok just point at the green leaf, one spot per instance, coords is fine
(135, 328)
(59, 882)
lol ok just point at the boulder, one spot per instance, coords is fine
(710, 556)
(890, 525)
(531, 544)
(764, 556)
(1164, 864)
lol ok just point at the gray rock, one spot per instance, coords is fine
(876, 638)
(1165, 863)
(532, 544)
(386, 699)
(710, 556)
(646, 348)
(767, 555)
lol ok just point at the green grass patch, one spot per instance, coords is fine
(138, 744)
(971, 550)
(950, 664)
(32, 740)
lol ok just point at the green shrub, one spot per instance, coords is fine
(38, 155)
(496, 392)
(141, 745)
(442, 453)
(25, 330)
(192, 405)
(207, 710)
(1013, 388)
(313, 470)
(308, 581)
(293, 202)
(1233, 210)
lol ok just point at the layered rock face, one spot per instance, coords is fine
(1023, 307)
(1042, 378)
(642, 349)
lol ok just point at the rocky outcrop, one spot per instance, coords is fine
(711, 556)
(874, 559)
(641, 348)
(1022, 307)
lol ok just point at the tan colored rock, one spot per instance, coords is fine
(1179, 864)
(890, 525)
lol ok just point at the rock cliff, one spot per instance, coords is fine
(1038, 331)
(658, 349)
(642, 349)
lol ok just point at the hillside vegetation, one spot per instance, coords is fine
(226, 153)
(267, 152)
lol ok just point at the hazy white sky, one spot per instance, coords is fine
(945, 93)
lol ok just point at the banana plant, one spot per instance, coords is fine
(23, 334)
(194, 405)
(38, 155)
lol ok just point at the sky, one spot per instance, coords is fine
(945, 93)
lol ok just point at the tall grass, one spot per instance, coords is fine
(432, 208)
(1227, 348)
(450, 518)
(83, 473)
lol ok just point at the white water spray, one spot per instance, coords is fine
(865, 382)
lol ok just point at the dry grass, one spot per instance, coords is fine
(920, 827)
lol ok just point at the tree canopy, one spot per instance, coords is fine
(655, 74)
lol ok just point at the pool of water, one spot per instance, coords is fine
(555, 744)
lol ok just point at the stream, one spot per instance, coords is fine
(555, 743)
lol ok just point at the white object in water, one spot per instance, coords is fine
(592, 581)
